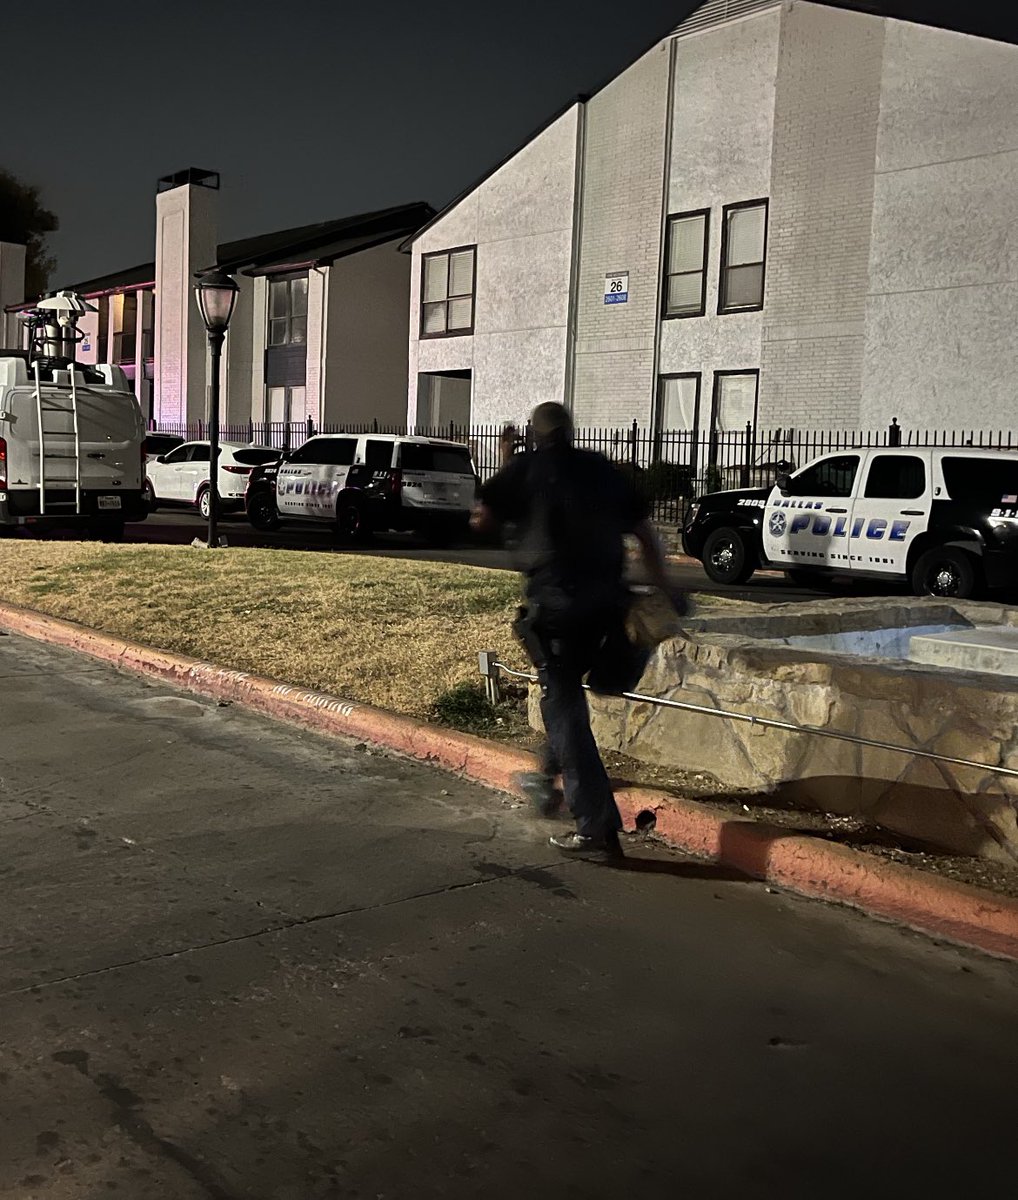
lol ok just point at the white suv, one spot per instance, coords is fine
(361, 483)
(943, 519)
(182, 476)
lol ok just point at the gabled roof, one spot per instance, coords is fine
(316, 245)
(325, 242)
(131, 278)
(989, 21)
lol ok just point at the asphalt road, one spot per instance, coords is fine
(169, 526)
(239, 962)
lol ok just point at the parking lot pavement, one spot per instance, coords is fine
(240, 961)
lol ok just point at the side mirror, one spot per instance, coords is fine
(784, 484)
(161, 458)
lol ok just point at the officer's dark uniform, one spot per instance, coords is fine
(571, 510)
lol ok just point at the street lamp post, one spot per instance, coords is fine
(216, 293)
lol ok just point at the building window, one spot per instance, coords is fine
(285, 404)
(125, 327)
(447, 292)
(743, 252)
(148, 305)
(686, 265)
(102, 344)
(288, 311)
(678, 403)
(735, 394)
(677, 422)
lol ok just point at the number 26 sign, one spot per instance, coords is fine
(616, 288)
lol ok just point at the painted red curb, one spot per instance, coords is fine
(806, 865)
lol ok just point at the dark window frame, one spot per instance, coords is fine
(472, 294)
(716, 395)
(667, 275)
(834, 456)
(659, 428)
(290, 316)
(370, 445)
(126, 337)
(880, 458)
(725, 309)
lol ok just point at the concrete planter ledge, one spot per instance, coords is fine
(842, 665)
(810, 866)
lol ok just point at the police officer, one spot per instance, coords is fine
(571, 510)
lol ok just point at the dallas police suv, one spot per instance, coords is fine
(361, 484)
(943, 520)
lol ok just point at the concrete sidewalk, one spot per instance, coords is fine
(240, 961)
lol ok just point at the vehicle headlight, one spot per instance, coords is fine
(694, 512)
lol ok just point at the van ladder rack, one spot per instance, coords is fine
(45, 455)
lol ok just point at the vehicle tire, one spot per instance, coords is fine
(351, 521)
(947, 572)
(203, 501)
(727, 558)
(148, 497)
(262, 511)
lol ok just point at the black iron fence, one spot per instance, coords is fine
(670, 466)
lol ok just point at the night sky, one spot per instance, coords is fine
(311, 109)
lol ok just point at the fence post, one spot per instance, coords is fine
(311, 426)
(374, 425)
(528, 437)
(250, 430)
(634, 457)
(894, 433)
(748, 455)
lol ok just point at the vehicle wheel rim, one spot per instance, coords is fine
(203, 505)
(260, 511)
(944, 580)
(723, 558)
(349, 520)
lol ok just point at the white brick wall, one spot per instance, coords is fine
(825, 126)
(521, 220)
(623, 181)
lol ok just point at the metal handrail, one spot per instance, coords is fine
(489, 664)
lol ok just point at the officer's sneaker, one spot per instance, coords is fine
(606, 847)
(545, 798)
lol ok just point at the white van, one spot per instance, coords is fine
(72, 446)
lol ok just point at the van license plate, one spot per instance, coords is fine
(109, 501)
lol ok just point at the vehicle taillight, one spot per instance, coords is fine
(238, 470)
(3, 462)
(395, 482)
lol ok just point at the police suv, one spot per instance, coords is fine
(364, 483)
(943, 520)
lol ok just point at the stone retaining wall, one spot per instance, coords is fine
(724, 662)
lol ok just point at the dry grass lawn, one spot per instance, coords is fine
(388, 632)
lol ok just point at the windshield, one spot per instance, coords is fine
(988, 482)
(452, 460)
